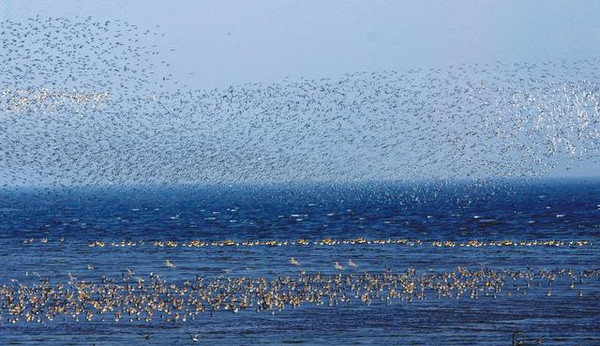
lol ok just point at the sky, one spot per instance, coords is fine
(215, 44)
(230, 42)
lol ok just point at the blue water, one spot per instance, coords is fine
(45, 233)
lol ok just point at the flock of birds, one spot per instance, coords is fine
(134, 298)
(332, 242)
(87, 103)
(93, 103)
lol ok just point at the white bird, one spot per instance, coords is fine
(352, 264)
(338, 266)
(294, 261)
(194, 337)
(169, 264)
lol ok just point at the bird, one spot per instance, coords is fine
(338, 266)
(194, 337)
(169, 264)
(352, 264)
(294, 261)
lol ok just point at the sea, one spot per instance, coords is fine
(57, 235)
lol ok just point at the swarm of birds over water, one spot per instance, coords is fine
(137, 299)
(93, 103)
(85, 102)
